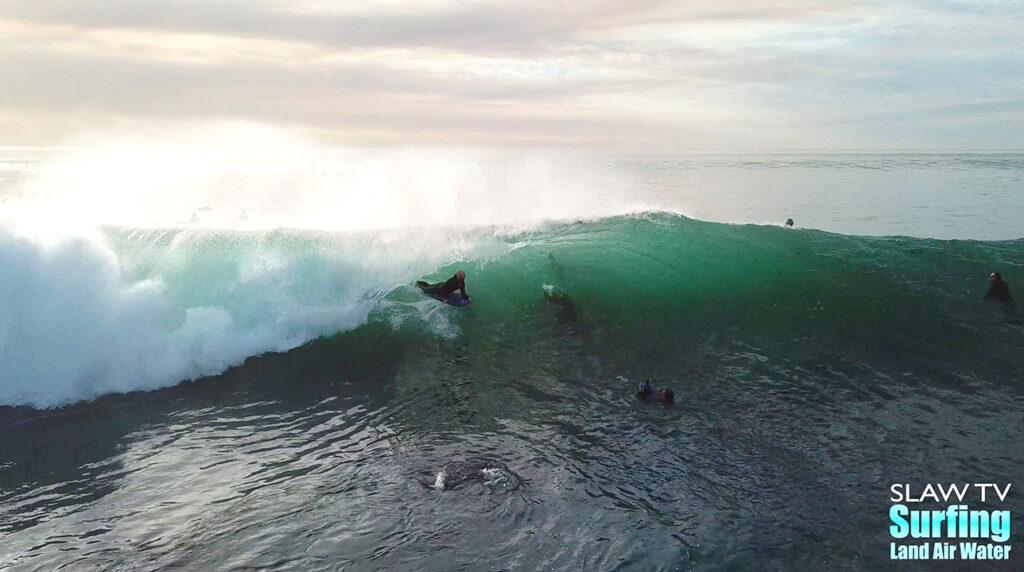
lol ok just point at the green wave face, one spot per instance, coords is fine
(663, 293)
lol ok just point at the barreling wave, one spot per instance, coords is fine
(135, 310)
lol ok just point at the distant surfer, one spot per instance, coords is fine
(563, 303)
(444, 290)
(998, 290)
(668, 397)
(644, 391)
(789, 222)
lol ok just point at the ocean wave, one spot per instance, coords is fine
(129, 309)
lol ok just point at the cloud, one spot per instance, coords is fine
(735, 74)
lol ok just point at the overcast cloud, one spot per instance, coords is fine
(644, 75)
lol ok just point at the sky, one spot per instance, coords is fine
(642, 75)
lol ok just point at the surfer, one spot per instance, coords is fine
(644, 391)
(668, 397)
(445, 289)
(563, 303)
(789, 222)
(998, 290)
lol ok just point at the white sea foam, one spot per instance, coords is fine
(130, 310)
(439, 482)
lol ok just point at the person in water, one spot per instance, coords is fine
(998, 290)
(645, 392)
(445, 289)
(667, 397)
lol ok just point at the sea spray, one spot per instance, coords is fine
(137, 266)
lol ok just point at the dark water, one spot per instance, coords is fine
(811, 371)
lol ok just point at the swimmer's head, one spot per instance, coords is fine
(996, 277)
(643, 389)
(668, 396)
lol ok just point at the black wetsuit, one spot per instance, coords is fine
(452, 285)
(1000, 291)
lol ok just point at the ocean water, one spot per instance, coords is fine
(218, 361)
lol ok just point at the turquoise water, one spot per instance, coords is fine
(337, 418)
